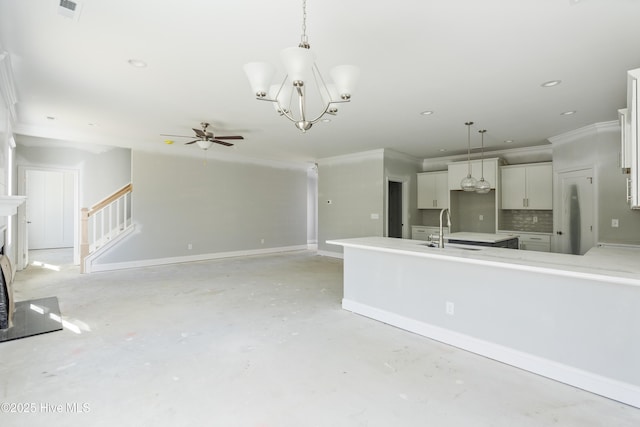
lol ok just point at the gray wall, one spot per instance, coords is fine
(216, 206)
(403, 168)
(354, 185)
(598, 146)
(102, 170)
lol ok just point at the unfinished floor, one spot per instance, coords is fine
(257, 341)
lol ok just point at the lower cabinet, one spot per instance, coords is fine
(422, 232)
(532, 242)
(535, 242)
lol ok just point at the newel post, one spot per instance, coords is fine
(84, 236)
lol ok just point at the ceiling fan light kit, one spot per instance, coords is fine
(302, 72)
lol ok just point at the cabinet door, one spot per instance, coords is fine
(457, 172)
(441, 189)
(426, 191)
(513, 188)
(539, 186)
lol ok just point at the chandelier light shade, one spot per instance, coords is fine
(469, 182)
(303, 97)
(483, 186)
(260, 75)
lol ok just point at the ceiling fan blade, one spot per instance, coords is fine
(180, 136)
(228, 144)
(192, 142)
(230, 137)
(200, 133)
(209, 134)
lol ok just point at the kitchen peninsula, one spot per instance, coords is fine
(571, 318)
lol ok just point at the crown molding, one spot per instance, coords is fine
(585, 132)
(377, 154)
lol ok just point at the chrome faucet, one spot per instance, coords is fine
(441, 231)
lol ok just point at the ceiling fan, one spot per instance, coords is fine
(204, 139)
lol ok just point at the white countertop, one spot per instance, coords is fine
(619, 265)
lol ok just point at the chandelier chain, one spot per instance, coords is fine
(304, 40)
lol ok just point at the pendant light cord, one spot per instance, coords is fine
(482, 153)
(468, 147)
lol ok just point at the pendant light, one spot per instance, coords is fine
(483, 186)
(468, 183)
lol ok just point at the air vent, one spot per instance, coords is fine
(70, 9)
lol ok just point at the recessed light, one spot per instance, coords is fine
(138, 63)
(568, 113)
(551, 83)
(426, 113)
(508, 141)
(442, 150)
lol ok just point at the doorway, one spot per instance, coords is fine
(49, 218)
(575, 219)
(395, 211)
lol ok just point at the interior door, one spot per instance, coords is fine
(394, 213)
(575, 226)
(50, 203)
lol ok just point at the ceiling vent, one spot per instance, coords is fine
(70, 9)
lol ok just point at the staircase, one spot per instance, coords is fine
(104, 224)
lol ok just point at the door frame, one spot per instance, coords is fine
(23, 246)
(557, 202)
(405, 204)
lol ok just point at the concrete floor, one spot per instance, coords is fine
(258, 341)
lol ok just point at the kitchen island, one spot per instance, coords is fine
(575, 319)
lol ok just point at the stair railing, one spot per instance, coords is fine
(104, 221)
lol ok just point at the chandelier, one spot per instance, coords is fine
(293, 97)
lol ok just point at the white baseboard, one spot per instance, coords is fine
(331, 254)
(191, 258)
(607, 387)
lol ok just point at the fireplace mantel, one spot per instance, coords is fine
(9, 204)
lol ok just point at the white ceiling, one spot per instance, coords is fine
(482, 61)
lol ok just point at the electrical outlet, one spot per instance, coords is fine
(449, 308)
(615, 223)
(262, 241)
(535, 219)
(189, 246)
(481, 217)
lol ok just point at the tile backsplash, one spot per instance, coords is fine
(523, 220)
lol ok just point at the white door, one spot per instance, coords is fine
(50, 209)
(574, 226)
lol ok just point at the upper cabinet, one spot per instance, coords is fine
(433, 192)
(527, 186)
(631, 132)
(459, 170)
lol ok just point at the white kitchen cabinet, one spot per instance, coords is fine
(633, 117)
(527, 186)
(625, 140)
(535, 242)
(531, 241)
(422, 232)
(433, 192)
(459, 170)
